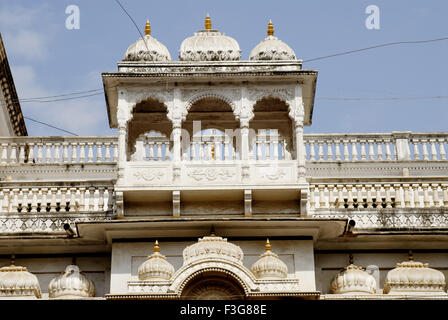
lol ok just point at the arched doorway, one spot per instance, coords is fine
(213, 286)
(213, 130)
(272, 138)
(148, 117)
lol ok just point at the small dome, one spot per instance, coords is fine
(209, 45)
(412, 277)
(353, 280)
(156, 267)
(272, 48)
(213, 247)
(16, 281)
(269, 266)
(72, 284)
(147, 49)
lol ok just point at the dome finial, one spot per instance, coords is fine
(268, 245)
(270, 28)
(212, 231)
(156, 247)
(350, 258)
(208, 22)
(13, 259)
(148, 28)
(411, 256)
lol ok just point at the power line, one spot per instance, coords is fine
(374, 47)
(382, 99)
(62, 95)
(62, 99)
(51, 126)
(138, 29)
(34, 99)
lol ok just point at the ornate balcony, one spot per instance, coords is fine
(382, 181)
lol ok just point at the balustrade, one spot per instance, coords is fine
(58, 150)
(376, 147)
(55, 199)
(379, 195)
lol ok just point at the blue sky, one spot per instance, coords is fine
(47, 59)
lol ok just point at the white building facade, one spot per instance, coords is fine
(212, 191)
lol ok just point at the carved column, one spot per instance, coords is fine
(300, 149)
(121, 149)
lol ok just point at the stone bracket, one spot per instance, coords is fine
(248, 203)
(176, 204)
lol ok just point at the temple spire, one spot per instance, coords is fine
(148, 28)
(208, 22)
(267, 245)
(156, 247)
(270, 28)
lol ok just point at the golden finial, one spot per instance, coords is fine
(270, 28)
(411, 257)
(148, 28)
(212, 231)
(13, 259)
(156, 247)
(350, 258)
(208, 22)
(267, 245)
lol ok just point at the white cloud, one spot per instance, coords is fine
(26, 43)
(85, 116)
(23, 33)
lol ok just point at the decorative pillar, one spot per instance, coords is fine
(402, 150)
(300, 151)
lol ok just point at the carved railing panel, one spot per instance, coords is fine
(58, 150)
(25, 200)
(399, 146)
(379, 196)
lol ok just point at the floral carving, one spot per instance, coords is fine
(212, 174)
(149, 175)
(274, 175)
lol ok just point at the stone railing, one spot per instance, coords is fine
(401, 146)
(56, 199)
(152, 148)
(211, 147)
(54, 150)
(378, 196)
(268, 146)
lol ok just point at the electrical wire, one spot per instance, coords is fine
(49, 125)
(138, 29)
(62, 99)
(61, 95)
(382, 99)
(375, 47)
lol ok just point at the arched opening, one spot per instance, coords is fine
(213, 129)
(213, 285)
(148, 131)
(271, 137)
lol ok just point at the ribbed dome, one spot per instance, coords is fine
(272, 48)
(412, 277)
(209, 45)
(16, 281)
(353, 280)
(147, 49)
(156, 267)
(72, 284)
(269, 266)
(213, 247)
